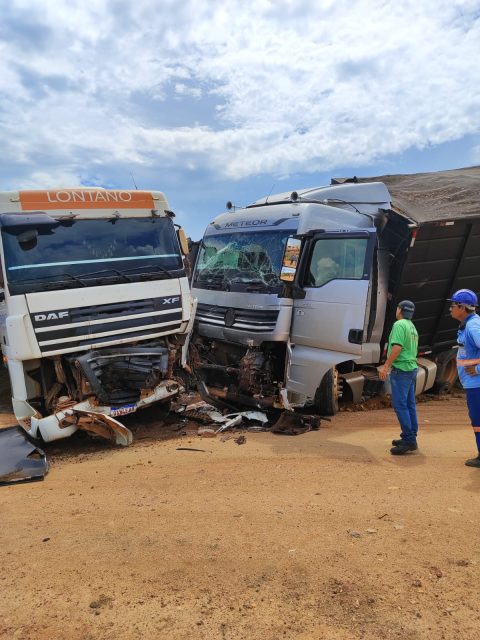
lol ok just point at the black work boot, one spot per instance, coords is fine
(400, 442)
(473, 462)
(402, 448)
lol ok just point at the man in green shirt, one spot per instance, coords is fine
(401, 364)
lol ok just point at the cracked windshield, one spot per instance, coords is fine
(242, 262)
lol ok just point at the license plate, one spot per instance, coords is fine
(121, 411)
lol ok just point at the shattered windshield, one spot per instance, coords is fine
(83, 253)
(241, 261)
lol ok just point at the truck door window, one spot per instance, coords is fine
(336, 258)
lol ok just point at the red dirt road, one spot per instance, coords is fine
(319, 536)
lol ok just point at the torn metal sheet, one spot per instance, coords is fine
(234, 419)
(232, 422)
(20, 459)
(257, 416)
(201, 411)
(194, 406)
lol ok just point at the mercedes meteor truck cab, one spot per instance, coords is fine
(96, 308)
(297, 292)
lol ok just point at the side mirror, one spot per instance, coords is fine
(183, 241)
(291, 256)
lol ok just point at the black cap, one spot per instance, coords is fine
(407, 308)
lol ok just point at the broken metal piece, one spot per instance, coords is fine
(234, 419)
(232, 422)
(20, 459)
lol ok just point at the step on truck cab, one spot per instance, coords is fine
(96, 308)
(297, 292)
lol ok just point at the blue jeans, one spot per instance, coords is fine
(403, 401)
(473, 404)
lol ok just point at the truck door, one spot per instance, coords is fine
(329, 323)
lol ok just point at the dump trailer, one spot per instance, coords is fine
(297, 292)
(96, 307)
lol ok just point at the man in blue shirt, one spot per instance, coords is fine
(462, 309)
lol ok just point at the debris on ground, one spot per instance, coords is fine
(208, 415)
(355, 534)
(294, 424)
(240, 440)
(207, 433)
(20, 459)
(232, 421)
(289, 423)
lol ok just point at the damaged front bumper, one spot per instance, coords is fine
(94, 418)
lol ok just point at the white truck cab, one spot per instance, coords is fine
(297, 292)
(97, 307)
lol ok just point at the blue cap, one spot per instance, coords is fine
(466, 297)
(407, 308)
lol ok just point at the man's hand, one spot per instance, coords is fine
(384, 371)
(471, 370)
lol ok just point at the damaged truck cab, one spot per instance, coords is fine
(97, 307)
(297, 292)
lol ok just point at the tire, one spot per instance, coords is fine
(326, 396)
(447, 374)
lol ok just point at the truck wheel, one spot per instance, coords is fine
(447, 373)
(326, 396)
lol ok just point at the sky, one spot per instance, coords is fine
(210, 101)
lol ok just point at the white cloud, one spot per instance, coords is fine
(294, 86)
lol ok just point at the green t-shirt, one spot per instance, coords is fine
(404, 334)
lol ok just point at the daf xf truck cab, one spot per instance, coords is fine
(97, 307)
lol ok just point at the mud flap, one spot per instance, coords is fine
(104, 426)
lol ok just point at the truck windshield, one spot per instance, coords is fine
(241, 261)
(79, 253)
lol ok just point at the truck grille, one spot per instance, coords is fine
(256, 320)
(118, 375)
(82, 327)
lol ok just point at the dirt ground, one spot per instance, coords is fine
(319, 536)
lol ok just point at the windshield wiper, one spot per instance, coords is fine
(103, 271)
(149, 273)
(261, 286)
(217, 282)
(255, 284)
(52, 285)
(59, 279)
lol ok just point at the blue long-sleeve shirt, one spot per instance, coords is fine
(468, 339)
